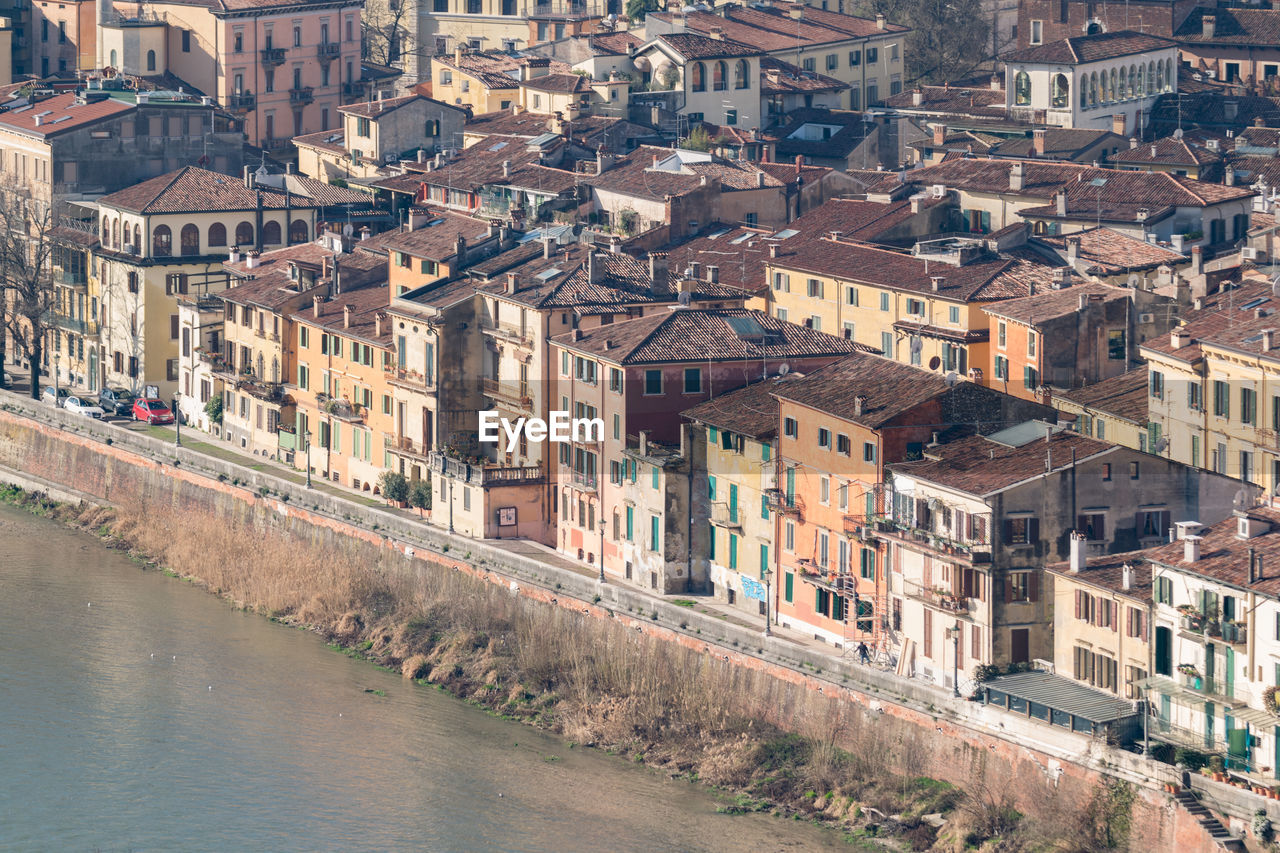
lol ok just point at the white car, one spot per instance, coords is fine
(83, 407)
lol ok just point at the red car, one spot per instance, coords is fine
(152, 411)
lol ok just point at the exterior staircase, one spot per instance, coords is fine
(1211, 824)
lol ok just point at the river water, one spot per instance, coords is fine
(140, 713)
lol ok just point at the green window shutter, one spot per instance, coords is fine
(713, 435)
(764, 560)
(711, 488)
(711, 543)
(733, 551)
(764, 507)
(766, 450)
(837, 607)
(655, 476)
(630, 524)
(788, 586)
(733, 503)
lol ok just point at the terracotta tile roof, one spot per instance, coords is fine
(268, 284)
(634, 175)
(693, 46)
(251, 5)
(592, 132)
(439, 295)
(1211, 110)
(1123, 396)
(978, 466)
(495, 69)
(735, 174)
(887, 388)
(1253, 27)
(1094, 48)
(1060, 143)
(693, 335)
(1226, 322)
(614, 44)
(875, 180)
(1107, 573)
(1224, 556)
(851, 24)
(1052, 304)
(979, 101)
(854, 219)
(190, 190)
(751, 411)
(739, 262)
(1108, 252)
(788, 173)
(566, 84)
(767, 29)
(481, 164)
(438, 239)
(60, 114)
(73, 236)
(852, 130)
(365, 303)
(376, 109)
(323, 192)
(329, 140)
(783, 78)
(1168, 150)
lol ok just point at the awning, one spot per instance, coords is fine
(1059, 694)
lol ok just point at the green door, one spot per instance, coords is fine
(1237, 746)
(1229, 676)
(1208, 726)
(1210, 658)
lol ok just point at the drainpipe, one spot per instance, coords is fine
(687, 429)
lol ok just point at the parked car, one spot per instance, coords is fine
(116, 401)
(83, 407)
(52, 394)
(152, 411)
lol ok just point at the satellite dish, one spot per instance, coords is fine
(1275, 286)
(1240, 500)
(951, 379)
(934, 503)
(684, 297)
(1160, 445)
(916, 345)
(1134, 280)
(348, 230)
(934, 363)
(784, 369)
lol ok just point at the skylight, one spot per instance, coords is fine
(718, 234)
(547, 275)
(784, 234)
(742, 239)
(1254, 303)
(498, 146)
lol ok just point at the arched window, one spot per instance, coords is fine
(1093, 89)
(113, 63)
(698, 76)
(161, 241)
(742, 75)
(1160, 75)
(1061, 91)
(271, 233)
(105, 234)
(1022, 89)
(298, 231)
(217, 234)
(115, 232)
(244, 234)
(719, 79)
(1111, 86)
(1142, 80)
(151, 60)
(1133, 81)
(137, 238)
(1153, 88)
(190, 238)
(1084, 91)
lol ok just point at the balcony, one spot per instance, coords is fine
(86, 328)
(276, 143)
(354, 90)
(585, 481)
(414, 380)
(343, 410)
(780, 501)
(266, 336)
(938, 598)
(973, 553)
(328, 51)
(268, 392)
(242, 102)
(406, 446)
(481, 474)
(71, 278)
(272, 56)
(216, 360)
(861, 526)
(724, 515)
(302, 96)
(504, 393)
(511, 334)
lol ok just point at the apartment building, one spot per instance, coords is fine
(63, 36)
(71, 348)
(1113, 409)
(701, 78)
(1212, 393)
(1236, 46)
(637, 377)
(283, 67)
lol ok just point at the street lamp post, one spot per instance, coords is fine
(177, 418)
(600, 558)
(57, 368)
(955, 659)
(306, 437)
(768, 576)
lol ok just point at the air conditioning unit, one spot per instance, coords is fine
(1249, 253)
(938, 190)
(1146, 318)
(130, 249)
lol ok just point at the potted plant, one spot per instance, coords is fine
(1217, 765)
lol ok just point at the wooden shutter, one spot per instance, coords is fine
(1033, 586)
(1033, 530)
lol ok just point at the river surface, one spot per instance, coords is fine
(139, 713)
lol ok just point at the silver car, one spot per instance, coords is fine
(83, 407)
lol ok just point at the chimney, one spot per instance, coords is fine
(880, 22)
(716, 33)
(251, 259)
(773, 248)
(1084, 301)
(799, 164)
(1037, 141)
(595, 267)
(1229, 175)
(655, 161)
(1016, 174)
(1179, 338)
(1197, 260)
(417, 218)
(759, 180)
(546, 248)
(859, 403)
(1133, 142)
(421, 155)
(1268, 340)
(1119, 124)
(1126, 577)
(346, 316)
(513, 283)
(917, 96)
(377, 324)
(1060, 202)
(1208, 23)
(935, 282)
(1191, 548)
(460, 252)
(506, 168)
(659, 278)
(796, 12)
(997, 83)
(695, 269)
(249, 178)
(939, 134)
(713, 275)
(37, 119)
(575, 335)
(235, 255)
(1077, 561)
(315, 305)
(644, 442)
(364, 233)
(1073, 251)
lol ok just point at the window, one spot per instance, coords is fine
(915, 307)
(698, 77)
(1019, 586)
(810, 64)
(1022, 89)
(652, 382)
(161, 241)
(1163, 590)
(824, 438)
(782, 281)
(868, 452)
(1002, 334)
(1248, 406)
(1221, 399)
(1093, 526)
(833, 61)
(1002, 367)
(719, 75)
(584, 370)
(855, 58)
(653, 532)
(1155, 382)
(151, 60)
(1133, 471)
(1037, 32)
(742, 75)
(1030, 377)
(884, 302)
(1031, 344)
(815, 288)
(693, 380)
(190, 239)
(873, 56)
(790, 428)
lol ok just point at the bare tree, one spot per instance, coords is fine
(26, 274)
(122, 326)
(386, 32)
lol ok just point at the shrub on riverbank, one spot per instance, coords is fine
(771, 744)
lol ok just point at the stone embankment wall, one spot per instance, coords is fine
(965, 743)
